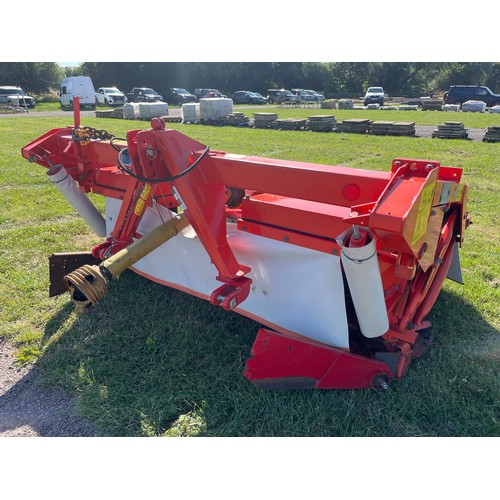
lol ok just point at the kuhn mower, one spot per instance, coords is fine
(339, 265)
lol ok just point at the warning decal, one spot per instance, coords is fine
(423, 212)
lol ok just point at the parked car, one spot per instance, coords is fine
(280, 96)
(178, 97)
(307, 95)
(80, 86)
(144, 94)
(374, 95)
(203, 93)
(317, 96)
(247, 97)
(458, 94)
(16, 96)
(304, 96)
(110, 96)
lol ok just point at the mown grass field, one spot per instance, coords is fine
(152, 361)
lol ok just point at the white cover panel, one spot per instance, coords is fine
(293, 289)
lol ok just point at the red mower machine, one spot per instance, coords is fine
(339, 265)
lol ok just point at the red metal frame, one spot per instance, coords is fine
(416, 213)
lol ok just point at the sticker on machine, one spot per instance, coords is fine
(424, 210)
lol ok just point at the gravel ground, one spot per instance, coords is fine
(28, 409)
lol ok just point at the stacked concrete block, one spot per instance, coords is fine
(264, 120)
(450, 130)
(289, 124)
(345, 104)
(432, 104)
(321, 123)
(236, 119)
(354, 125)
(492, 134)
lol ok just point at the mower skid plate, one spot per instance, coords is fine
(282, 361)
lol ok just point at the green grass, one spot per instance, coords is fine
(153, 361)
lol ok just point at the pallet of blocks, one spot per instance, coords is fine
(321, 123)
(237, 119)
(380, 127)
(432, 104)
(264, 120)
(345, 104)
(354, 126)
(402, 128)
(492, 134)
(450, 130)
(392, 128)
(329, 105)
(474, 106)
(110, 113)
(289, 124)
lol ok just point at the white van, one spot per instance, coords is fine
(80, 86)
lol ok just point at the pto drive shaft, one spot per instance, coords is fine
(88, 284)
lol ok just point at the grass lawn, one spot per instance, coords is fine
(153, 361)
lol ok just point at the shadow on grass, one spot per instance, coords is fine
(150, 360)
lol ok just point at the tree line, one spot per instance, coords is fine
(335, 79)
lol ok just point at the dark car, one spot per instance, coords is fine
(247, 97)
(458, 94)
(280, 96)
(144, 94)
(16, 96)
(177, 96)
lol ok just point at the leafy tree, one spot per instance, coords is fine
(493, 79)
(32, 76)
(463, 73)
(336, 79)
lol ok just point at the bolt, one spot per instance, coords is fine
(151, 153)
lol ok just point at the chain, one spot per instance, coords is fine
(84, 134)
